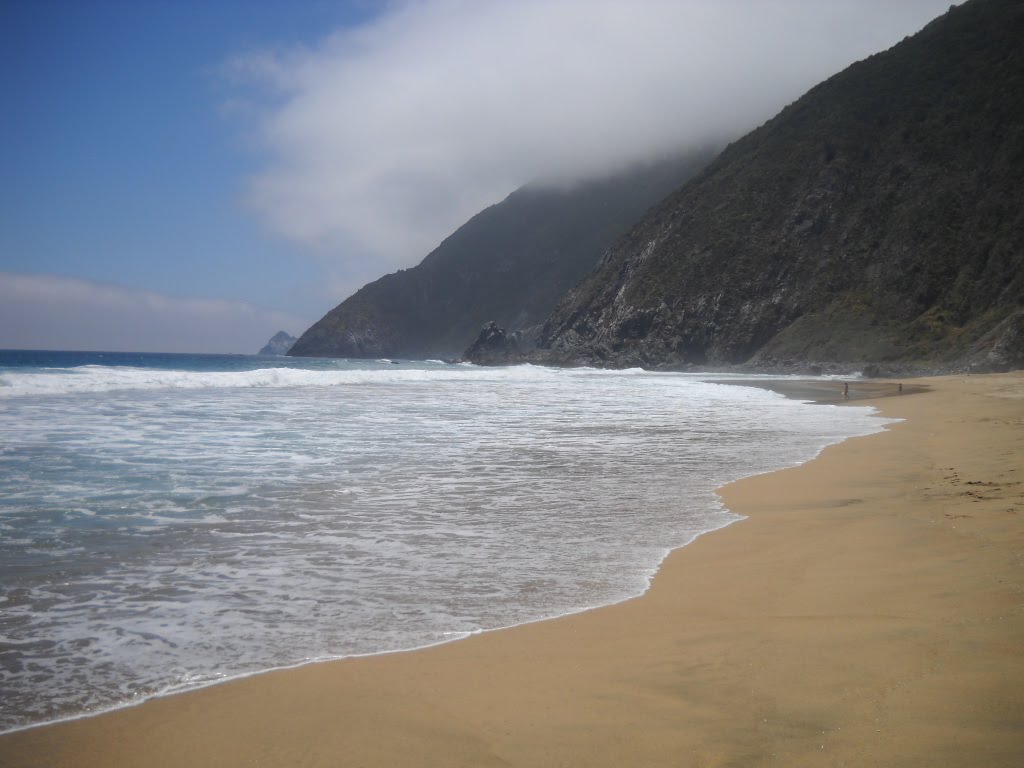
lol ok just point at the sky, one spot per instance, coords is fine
(195, 176)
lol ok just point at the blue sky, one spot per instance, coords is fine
(252, 163)
(116, 143)
(120, 165)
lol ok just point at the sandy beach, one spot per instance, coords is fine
(869, 612)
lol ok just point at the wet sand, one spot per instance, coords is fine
(869, 612)
(832, 392)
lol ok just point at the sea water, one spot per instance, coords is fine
(170, 521)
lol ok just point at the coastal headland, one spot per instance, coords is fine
(868, 612)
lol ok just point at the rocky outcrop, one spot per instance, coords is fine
(878, 219)
(495, 347)
(511, 263)
(492, 347)
(1002, 348)
(279, 344)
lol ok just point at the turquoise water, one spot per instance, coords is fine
(169, 521)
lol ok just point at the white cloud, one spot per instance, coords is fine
(383, 139)
(50, 312)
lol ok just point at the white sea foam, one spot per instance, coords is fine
(98, 378)
(182, 527)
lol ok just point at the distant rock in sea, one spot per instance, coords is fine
(279, 344)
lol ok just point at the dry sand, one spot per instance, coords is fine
(869, 612)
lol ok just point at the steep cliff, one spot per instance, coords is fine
(879, 218)
(510, 263)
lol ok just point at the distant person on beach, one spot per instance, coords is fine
(846, 391)
(901, 388)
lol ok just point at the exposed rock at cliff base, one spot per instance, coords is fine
(1002, 348)
(492, 346)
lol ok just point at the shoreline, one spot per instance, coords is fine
(830, 392)
(808, 390)
(228, 680)
(610, 685)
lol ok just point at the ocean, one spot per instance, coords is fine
(172, 521)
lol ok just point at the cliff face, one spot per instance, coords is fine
(879, 218)
(510, 263)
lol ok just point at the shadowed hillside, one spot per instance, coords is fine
(510, 263)
(879, 218)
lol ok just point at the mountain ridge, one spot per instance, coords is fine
(878, 219)
(510, 263)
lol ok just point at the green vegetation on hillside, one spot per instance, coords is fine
(879, 218)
